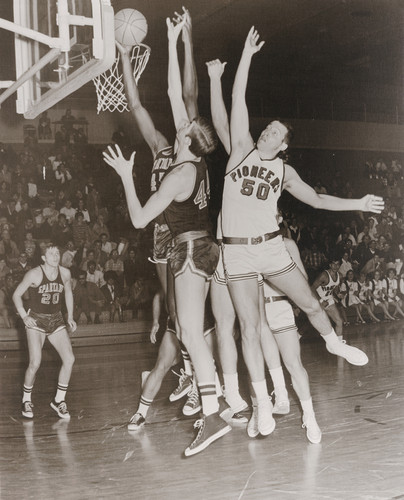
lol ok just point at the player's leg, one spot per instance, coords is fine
(61, 342)
(190, 294)
(296, 287)
(167, 356)
(333, 312)
(245, 296)
(225, 317)
(35, 340)
(273, 362)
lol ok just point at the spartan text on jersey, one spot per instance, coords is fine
(50, 288)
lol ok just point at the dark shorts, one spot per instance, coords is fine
(162, 243)
(201, 256)
(48, 323)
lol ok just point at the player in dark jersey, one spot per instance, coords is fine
(163, 154)
(47, 285)
(194, 253)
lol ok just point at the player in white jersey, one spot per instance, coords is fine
(254, 179)
(350, 287)
(379, 295)
(393, 298)
(365, 292)
(221, 301)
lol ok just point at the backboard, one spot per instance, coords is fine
(60, 45)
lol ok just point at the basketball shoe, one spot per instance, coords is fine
(266, 422)
(27, 409)
(352, 354)
(184, 386)
(211, 428)
(313, 431)
(193, 403)
(136, 422)
(60, 409)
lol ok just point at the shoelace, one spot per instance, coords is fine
(135, 418)
(182, 376)
(62, 407)
(200, 423)
(193, 397)
(28, 405)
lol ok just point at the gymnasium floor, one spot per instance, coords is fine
(360, 411)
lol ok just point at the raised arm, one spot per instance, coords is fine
(190, 79)
(241, 140)
(174, 185)
(218, 111)
(178, 108)
(305, 193)
(154, 138)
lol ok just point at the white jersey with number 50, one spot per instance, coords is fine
(250, 197)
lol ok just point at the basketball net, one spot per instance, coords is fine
(110, 86)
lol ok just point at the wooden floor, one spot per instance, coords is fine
(360, 410)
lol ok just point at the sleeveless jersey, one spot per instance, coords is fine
(378, 286)
(191, 214)
(364, 290)
(326, 291)
(161, 163)
(250, 197)
(46, 298)
(392, 287)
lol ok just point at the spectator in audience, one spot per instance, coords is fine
(138, 298)
(7, 309)
(61, 232)
(100, 256)
(99, 228)
(30, 246)
(93, 203)
(362, 254)
(115, 263)
(364, 232)
(345, 266)
(5, 174)
(365, 296)
(63, 175)
(68, 256)
(69, 211)
(21, 267)
(393, 298)
(10, 213)
(350, 288)
(347, 235)
(95, 275)
(88, 298)
(81, 231)
(130, 268)
(372, 221)
(9, 248)
(33, 192)
(374, 264)
(81, 208)
(122, 247)
(379, 295)
(50, 213)
(24, 214)
(112, 293)
(44, 126)
(106, 245)
(5, 194)
(61, 199)
(314, 261)
(4, 269)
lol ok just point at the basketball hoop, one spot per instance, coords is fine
(110, 86)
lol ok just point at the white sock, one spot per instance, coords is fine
(219, 391)
(307, 406)
(60, 393)
(231, 384)
(260, 389)
(332, 338)
(210, 403)
(27, 393)
(144, 406)
(279, 383)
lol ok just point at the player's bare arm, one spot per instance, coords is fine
(32, 278)
(178, 108)
(190, 80)
(241, 139)
(67, 282)
(305, 193)
(154, 138)
(218, 111)
(175, 186)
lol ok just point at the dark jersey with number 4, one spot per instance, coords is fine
(191, 214)
(46, 298)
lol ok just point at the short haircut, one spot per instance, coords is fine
(203, 137)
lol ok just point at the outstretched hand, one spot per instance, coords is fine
(174, 27)
(372, 203)
(251, 43)
(215, 68)
(116, 160)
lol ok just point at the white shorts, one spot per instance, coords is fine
(219, 276)
(269, 258)
(280, 316)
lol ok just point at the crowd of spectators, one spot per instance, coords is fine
(369, 247)
(63, 193)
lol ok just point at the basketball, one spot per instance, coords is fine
(130, 27)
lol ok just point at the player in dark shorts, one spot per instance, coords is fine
(183, 197)
(47, 285)
(163, 154)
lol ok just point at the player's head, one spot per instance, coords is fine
(275, 138)
(199, 135)
(51, 255)
(334, 265)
